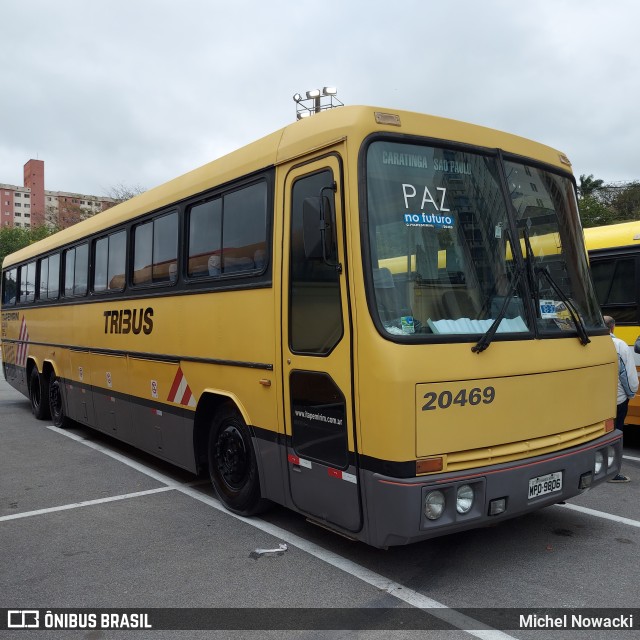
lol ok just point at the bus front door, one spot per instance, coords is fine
(317, 368)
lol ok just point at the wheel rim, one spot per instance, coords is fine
(232, 459)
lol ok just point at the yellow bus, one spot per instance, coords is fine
(614, 254)
(350, 317)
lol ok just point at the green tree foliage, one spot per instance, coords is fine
(589, 185)
(14, 238)
(594, 213)
(602, 204)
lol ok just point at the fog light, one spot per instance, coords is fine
(497, 506)
(599, 462)
(464, 499)
(585, 480)
(434, 505)
(611, 457)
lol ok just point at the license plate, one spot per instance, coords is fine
(542, 485)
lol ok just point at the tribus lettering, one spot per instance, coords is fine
(129, 321)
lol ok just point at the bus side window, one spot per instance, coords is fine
(109, 262)
(76, 265)
(9, 287)
(53, 281)
(155, 250)
(27, 282)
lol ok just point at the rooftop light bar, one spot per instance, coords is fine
(316, 100)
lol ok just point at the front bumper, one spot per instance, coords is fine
(396, 505)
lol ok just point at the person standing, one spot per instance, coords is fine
(627, 382)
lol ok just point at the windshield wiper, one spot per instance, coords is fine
(575, 316)
(543, 271)
(487, 338)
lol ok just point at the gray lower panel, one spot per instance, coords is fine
(396, 507)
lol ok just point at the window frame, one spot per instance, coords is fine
(94, 244)
(221, 194)
(131, 270)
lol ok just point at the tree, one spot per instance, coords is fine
(589, 185)
(69, 212)
(14, 238)
(594, 213)
(122, 192)
(601, 204)
(626, 203)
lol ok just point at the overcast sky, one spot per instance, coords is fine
(136, 92)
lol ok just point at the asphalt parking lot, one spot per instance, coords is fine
(87, 522)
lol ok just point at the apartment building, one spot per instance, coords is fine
(31, 205)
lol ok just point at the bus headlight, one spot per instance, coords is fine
(599, 462)
(464, 499)
(434, 505)
(611, 457)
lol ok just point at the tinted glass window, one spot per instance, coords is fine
(53, 281)
(143, 253)
(205, 239)
(9, 287)
(44, 279)
(156, 250)
(318, 412)
(616, 286)
(165, 248)
(69, 270)
(28, 282)
(101, 260)
(244, 229)
(110, 253)
(316, 312)
(81, 270)
(228, 235)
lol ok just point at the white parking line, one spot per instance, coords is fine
(601, 514)
(86, 503)
(395, 589)
(631, 458)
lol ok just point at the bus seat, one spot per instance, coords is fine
(260, 258)
(458, 304)
(213, 265)
(242, 263)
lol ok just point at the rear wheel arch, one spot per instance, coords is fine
(209, 404)
(223, 438)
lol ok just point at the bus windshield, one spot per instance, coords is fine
(456, 242)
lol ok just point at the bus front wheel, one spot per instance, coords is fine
(232, 464)
(56, 403)
(39, 394)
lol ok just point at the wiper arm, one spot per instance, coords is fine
(487, 338)
(575, 316)
(534, 271)
(530, 261)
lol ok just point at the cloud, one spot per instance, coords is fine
(111, 92)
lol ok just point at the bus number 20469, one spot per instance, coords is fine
(446, 399)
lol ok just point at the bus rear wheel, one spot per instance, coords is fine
(39, 394)
(56, 403)
(232, 464)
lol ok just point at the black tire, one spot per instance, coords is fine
(232, 464)
(39, 394)
(56, 403)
